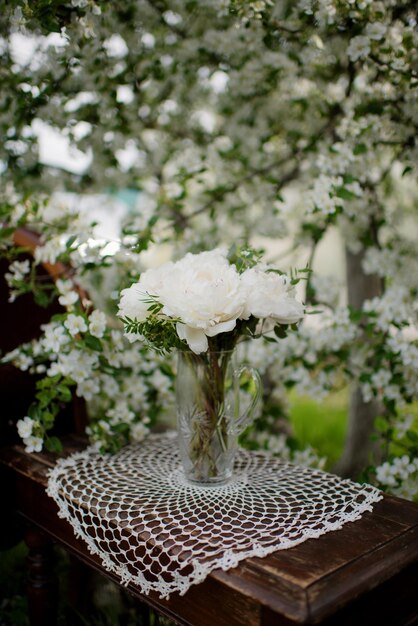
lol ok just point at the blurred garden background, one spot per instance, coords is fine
(134, 132)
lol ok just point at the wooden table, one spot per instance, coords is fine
(365, 573)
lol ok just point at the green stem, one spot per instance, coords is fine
(211, 401)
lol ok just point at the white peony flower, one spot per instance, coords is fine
(201, 290)
(269, 295)
(135, 300)
(205, 293)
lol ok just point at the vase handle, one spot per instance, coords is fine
(241, 422)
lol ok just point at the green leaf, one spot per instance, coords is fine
(355, 316)
(375, 107)
(70, 241)
(412, 436)
(381, 424)
(280, 331)
(272, 270)
(64, 393)
(6, 232)
(361, 148)
(44, 398)
(50, 381)
(53, 444)
(41, 298)
(93, 343)
(345, 194)
(47, 420)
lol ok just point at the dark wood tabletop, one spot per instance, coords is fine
(365, 573)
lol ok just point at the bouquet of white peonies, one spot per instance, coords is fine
(208, 301)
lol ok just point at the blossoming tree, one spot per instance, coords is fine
(234, 120)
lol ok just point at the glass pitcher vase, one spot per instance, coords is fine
(209, 415)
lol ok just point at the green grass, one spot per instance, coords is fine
(322, 424)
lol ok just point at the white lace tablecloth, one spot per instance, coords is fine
(148, 525)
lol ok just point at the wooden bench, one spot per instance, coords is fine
(365, 573)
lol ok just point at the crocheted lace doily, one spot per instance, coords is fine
(152, 528)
